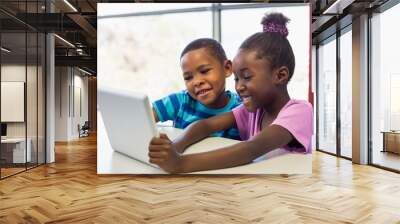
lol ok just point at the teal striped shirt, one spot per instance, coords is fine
(183, 110)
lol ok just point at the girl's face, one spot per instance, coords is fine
(254, 80)
(204, 77)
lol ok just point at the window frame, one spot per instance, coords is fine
(333, 37)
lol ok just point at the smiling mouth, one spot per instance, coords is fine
(202, 92)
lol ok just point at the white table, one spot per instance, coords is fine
(19, 155)
(276, 162)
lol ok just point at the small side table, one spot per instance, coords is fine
(391, 141)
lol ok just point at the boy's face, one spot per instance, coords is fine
(254, 80)
(204, 77)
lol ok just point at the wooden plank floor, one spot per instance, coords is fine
(10, 171)
(70, 191)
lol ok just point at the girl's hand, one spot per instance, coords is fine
(163, 153)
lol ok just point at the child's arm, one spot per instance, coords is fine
(203, 128)
(267, 140)
(162, 149)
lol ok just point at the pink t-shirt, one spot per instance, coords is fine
(296, 116)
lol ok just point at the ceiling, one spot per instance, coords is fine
(76, 23)
(329, 15)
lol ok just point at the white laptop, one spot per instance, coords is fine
(129, 122)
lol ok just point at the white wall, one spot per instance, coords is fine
(12, 73)
(33, 127)
(71, 94)
(12, 101)
(61, 103)
(82, 83)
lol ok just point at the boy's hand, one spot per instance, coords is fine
(162, 153)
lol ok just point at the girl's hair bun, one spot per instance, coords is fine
(275, 23)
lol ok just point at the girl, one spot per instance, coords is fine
(205, 68)
(268, 118)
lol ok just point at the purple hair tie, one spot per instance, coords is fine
(275, 28)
